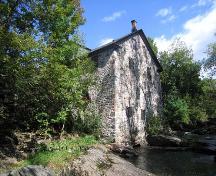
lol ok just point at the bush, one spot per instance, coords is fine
(74, 120)
(89, 122)
(154, 125)
(198, 114)
(176, 111)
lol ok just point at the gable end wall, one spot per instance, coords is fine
(128, 91)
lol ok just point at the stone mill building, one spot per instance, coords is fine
(129, 90)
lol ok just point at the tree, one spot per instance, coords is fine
(42, 66)
(181, 85)
(210, 62)
(181, 73)
(153, 45)
(209, 96)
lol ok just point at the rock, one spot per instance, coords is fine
(206, 145)
(10, 160)
(123, 151)
(31, 170)
(162, 140)
(170, 148)
(207, 127)
(99, 162)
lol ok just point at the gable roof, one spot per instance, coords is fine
(115, 43)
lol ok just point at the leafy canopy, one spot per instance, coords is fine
(210, 62)
(182, 87)
(44, 67)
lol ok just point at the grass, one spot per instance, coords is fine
(57, 154)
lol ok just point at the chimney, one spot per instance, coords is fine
(133, 23)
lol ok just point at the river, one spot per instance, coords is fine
(175, 163)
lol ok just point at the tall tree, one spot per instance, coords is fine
(210, 62)
(42, 63)
(181, 72)
(181, 85)
(153, 45)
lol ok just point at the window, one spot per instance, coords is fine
(149, 76)
(131, 64)
(129, 112)
(142, 114)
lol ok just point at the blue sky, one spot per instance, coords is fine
(194, 21)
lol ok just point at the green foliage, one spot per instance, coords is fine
(210, 62)
(88, 122)
(153, 45)
(44, 67)
(181, 72)
(186, 97)
(154, 125)
(56, 154)
(198, 114)
(176, 110)
(208, 97)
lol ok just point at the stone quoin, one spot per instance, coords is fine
(129, 89)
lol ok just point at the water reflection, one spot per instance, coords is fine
(175, 163)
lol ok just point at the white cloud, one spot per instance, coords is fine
(105, 41)
(200, 3)
(204, 2)
(183, 8)
(163, 43)
(164, 12)
(198, 33)
(114, 16)
(168, 19)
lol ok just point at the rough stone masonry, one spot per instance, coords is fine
(129, 90)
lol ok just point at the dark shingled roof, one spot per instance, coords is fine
(115, 43)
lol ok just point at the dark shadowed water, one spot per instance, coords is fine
(175, 163)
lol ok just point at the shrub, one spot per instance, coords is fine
(176, 111)
(154, 125)
(198, 114)
(88, 122)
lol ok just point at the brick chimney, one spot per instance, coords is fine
(133, 23)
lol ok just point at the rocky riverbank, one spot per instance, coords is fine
(200, 139)
(101, 161)
(98, 161)
(198, 143)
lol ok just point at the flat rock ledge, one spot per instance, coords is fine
(100, 161)
(31, 170)
(165, 141)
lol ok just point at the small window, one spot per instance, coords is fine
(131, 64)
(137, 93)
(129, 112)
(149, 74)
(142, 114)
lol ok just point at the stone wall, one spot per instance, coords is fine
(128, 90)
(104, 92)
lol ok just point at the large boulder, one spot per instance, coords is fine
(123, 151)
(100, 161)
(31, 170)
(164, 141)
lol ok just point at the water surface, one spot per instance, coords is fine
(175, 163)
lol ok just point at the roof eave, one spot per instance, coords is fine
(109, 45)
